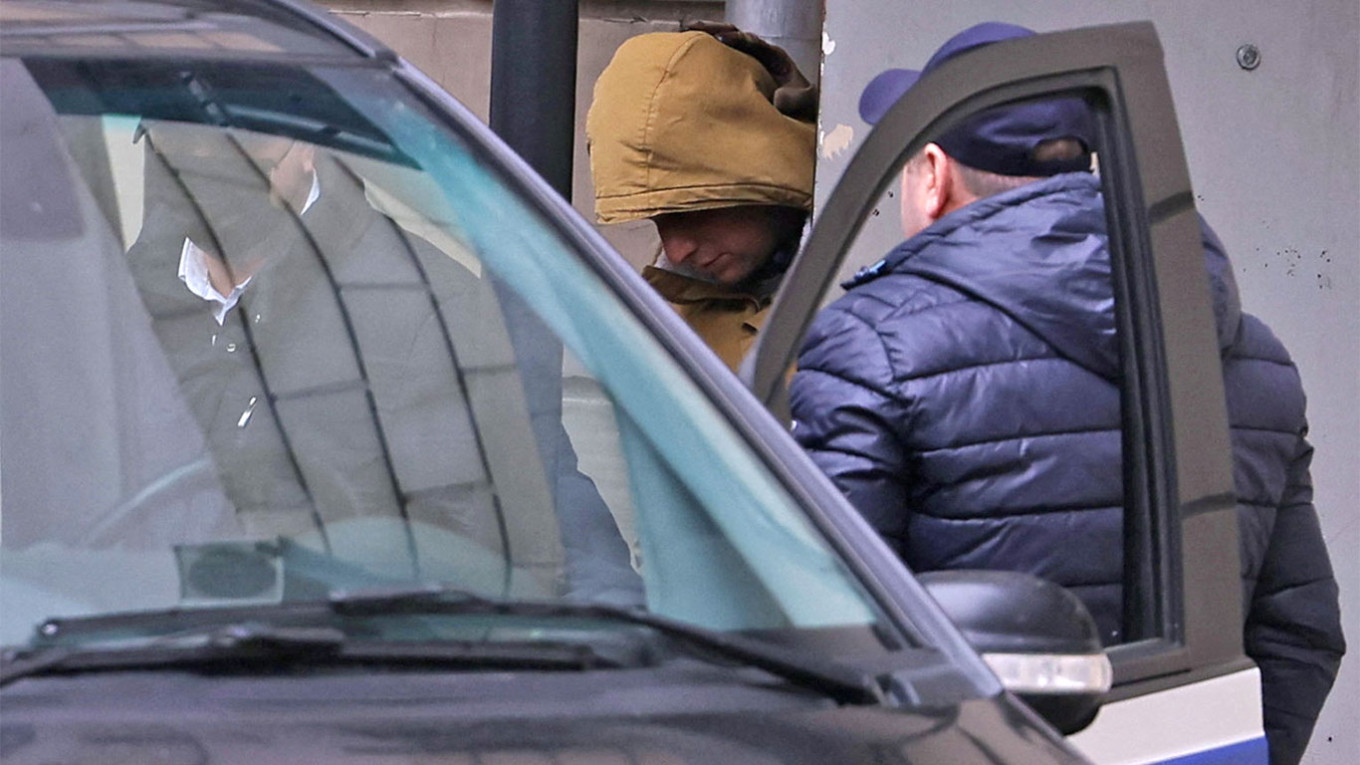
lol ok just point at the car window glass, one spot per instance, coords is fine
(267, 363)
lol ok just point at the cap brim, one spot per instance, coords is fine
(883, 91)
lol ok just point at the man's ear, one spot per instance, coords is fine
(939, 179)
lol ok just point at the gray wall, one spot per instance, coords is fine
(1274, 155)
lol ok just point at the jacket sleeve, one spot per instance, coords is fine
(1293, 629)
(847, 420)
(597, 558)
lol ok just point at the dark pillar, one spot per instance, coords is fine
(794, 25)
(533, 83)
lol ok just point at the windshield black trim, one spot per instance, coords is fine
(278, 97)
(292, 626)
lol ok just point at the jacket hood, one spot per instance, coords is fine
(1041, 254)
(682, 122)
(1038, 253)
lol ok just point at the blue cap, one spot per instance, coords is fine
(999, 140)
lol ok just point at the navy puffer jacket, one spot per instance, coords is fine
(964, 394)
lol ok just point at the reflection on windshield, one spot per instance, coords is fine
(334, 391)
(263, 365)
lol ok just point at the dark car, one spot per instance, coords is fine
(330, 433)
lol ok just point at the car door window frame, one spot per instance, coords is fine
(1178, 483)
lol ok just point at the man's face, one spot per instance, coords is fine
(724, 245)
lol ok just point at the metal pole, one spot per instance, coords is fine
(794, 25)
(533, 83)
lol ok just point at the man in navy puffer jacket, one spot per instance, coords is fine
(965, 394)
(1293, 622)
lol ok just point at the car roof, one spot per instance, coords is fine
(179, 29)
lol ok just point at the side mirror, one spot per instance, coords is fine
(1037, 637)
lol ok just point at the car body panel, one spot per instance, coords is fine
(1213, 720)
(675, 716)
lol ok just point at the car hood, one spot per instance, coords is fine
(504, 717)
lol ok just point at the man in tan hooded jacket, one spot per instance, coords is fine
(684, 131)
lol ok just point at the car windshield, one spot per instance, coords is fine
(273, 332)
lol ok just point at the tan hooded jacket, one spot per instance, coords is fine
(681, 122)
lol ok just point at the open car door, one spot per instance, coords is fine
(1181, 682)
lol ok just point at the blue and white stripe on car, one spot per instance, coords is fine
(1210, 722)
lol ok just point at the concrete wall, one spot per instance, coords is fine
(1274, 155)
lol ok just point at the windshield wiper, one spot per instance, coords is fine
(839, 682)
(235, 641)
(234, 646)
(292, 633)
